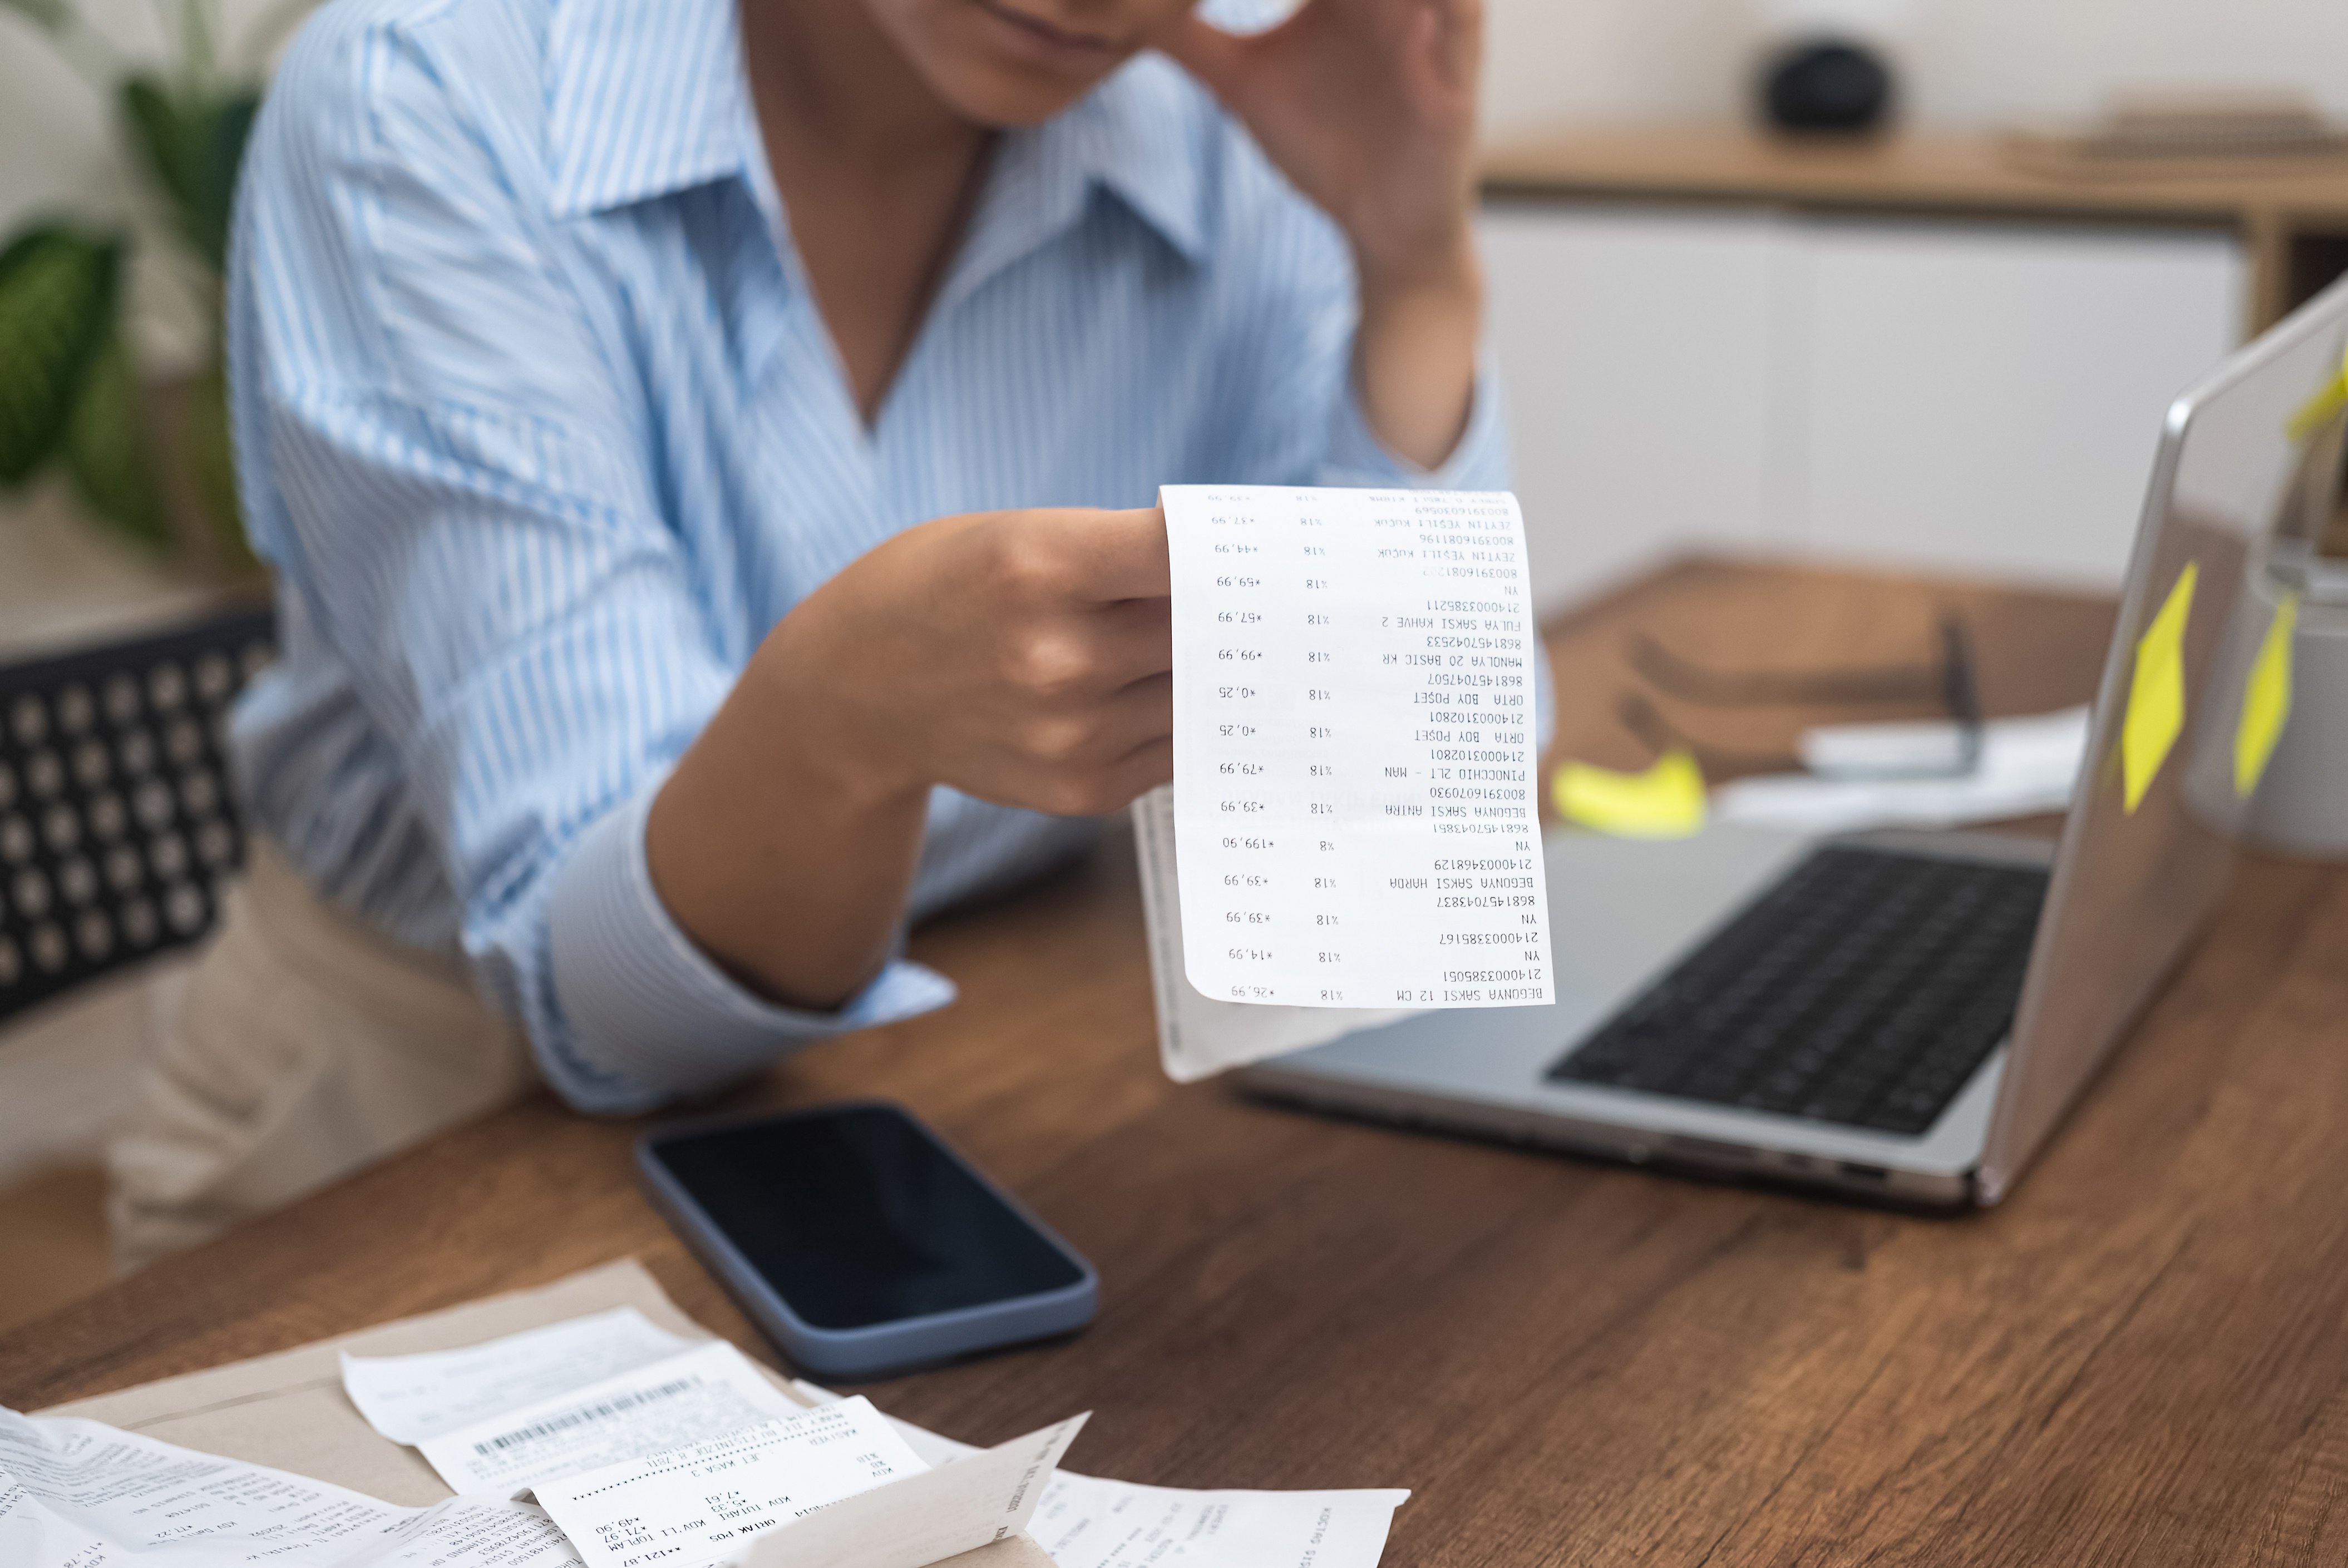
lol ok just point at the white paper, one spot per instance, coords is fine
(1088, 1523)
(704, 1502)
(2036, 741)
(984, 1498)
(1354, 767)
(1197, 1036)
(471, 1532)
(81, 1494)
(704, 1393)
(409, 1399)
(2028, 767)
(1085, 1522)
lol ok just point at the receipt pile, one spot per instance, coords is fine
(606, 1441)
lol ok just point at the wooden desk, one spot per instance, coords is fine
(2142, 1358)
(2291, 216)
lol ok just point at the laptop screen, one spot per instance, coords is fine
(2249, 474)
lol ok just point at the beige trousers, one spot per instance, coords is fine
(306, 1045)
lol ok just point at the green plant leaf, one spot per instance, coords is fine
(106, 449)
(192, 142)
(57, 294)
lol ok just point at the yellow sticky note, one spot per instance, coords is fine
(2266, 701)
(1666, 801)
(2329, 400)
(2156, 705)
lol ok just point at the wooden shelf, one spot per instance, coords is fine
(2292, 218)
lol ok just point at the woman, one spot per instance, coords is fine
(679, 433)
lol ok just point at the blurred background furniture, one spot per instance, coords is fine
(1910, 349)
(118, 824)
(117, 830)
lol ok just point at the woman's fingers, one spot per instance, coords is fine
(1136, 637)
(1083, 764)
(1204, 50)
(1093, 556)
(1143, 769)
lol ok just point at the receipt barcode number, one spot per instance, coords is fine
(601, 1411)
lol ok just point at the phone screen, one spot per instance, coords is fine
(856, 1217)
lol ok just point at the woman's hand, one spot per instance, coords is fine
(1022, 656)
(1369, 108)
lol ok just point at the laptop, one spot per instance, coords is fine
(1906, 1015)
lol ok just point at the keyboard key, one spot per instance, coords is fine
(77, 710)
(122, 699)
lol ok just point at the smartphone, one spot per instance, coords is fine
(859, 1241)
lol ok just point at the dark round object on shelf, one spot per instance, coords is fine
(1825, 84)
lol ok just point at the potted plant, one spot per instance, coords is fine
(150, 459)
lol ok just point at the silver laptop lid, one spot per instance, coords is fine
(2148, 847)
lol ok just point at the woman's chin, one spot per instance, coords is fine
(1007, 93)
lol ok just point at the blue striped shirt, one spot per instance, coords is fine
(539, 424)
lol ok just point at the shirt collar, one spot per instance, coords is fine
(648, 99)
(1142, 136)
(643, 100)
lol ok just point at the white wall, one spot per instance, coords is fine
(1963, 64)
(1952, 396)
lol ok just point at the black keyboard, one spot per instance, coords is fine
(117, 827)
(1863, 989)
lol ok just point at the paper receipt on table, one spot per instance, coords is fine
(1355, 758)
(80, 1494)
(411, 1398)
(702, 1502)
(705, 1392)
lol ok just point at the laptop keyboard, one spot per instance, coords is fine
(1863, 990)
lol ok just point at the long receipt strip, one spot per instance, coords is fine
(1085, 1522)
(1354, 797)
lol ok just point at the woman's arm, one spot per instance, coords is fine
(552, 715)
(1369, 108)
(1021, 657)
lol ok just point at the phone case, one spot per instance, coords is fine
(878, 1350)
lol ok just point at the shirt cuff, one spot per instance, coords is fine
(646, 1006)
(1358, 460)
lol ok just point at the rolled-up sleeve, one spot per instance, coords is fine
(664, 1015)
(443, 464)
